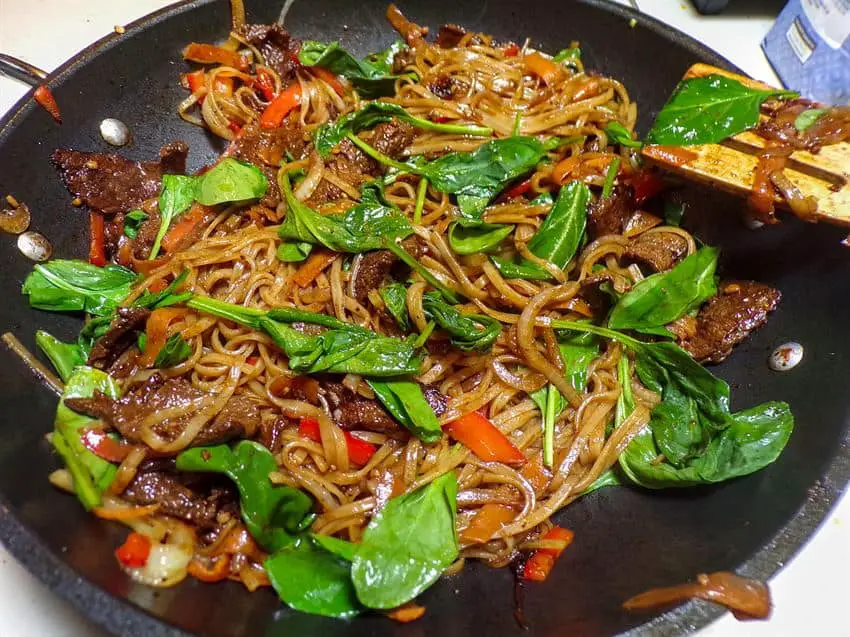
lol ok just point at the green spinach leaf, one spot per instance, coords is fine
(707, 110)
(294, 251)
(327, 136)
(568, 56)
(407, 404)
(407, 545)
(807, 118)
(175, 351)
(340, 548)
(272, 513)
(372, 76)
(310, 579)
(176, 196)
(524, 270)
(665, 296)
(92, 475)
(474, 238)
(468, 332)
(394, 296)
(77, 286)
(65, 357)
(364, 226)
(621, 135)
(133, 221)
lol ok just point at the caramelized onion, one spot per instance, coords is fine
(746, 598)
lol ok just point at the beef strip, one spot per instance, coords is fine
(276, 46)
(270, 433)
(443, 87)
(377, 265)
(120, 336)
(438, 400)
(392, 138)
(659, 250)
(728, 318)
(238, 418)
(266, 148)
(609, 215)
(353, 411)
(449, 36)
(111, 183)
(199, 501)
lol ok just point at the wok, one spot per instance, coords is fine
(627, 540)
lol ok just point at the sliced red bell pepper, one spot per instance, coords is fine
(195, 81)
(359, 451)
(211, 54)
(328, 77)
(135, 551)
(97, 242)
(511, 50)
(484, 439)
(289, 98)
(103, 446)
(518, 190)
(265, 84)
(45, 99)
(540, 564)
(646, 185)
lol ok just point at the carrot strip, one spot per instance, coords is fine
(97, 242)
(484, 439)
(211, 54)
(218, 571)
(540, 564)
(312, 267)
(156, 330)
(407, 613)
(486, 522)
(542, 67)
(186, 227)
(563, 168)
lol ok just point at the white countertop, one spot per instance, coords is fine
(808, 594)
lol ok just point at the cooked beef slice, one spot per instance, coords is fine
(658, 250)
(278, 49)
(609, 215)
(120, 336)
(392, 138)
(377, 265)
(111, 183)
(728, 318)
(353, 411)
(238, 418)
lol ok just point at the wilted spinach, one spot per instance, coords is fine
(468, 332)
(175, 351)
(77, 286)
(475, 238)
(406, 402)
(394, 296)
(619, 134)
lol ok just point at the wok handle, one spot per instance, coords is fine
(21, 71)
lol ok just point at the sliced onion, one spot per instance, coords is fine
(532, 381)
(173, 544)
(802, 206)
(314, 176)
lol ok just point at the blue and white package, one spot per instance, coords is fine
(809, 48)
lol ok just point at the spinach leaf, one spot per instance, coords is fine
(558, 237)
(806, 119)
(229, 181)
(329, 135)
(68, 286)
(175, 351)
(610, 478)
(372, 76)
(342, 349)
(450, 295)
(707, 110)
(165, 297)
(394, 296)
(338, 547)
(272, 513)
(407, 404)
(476, 177)
(92, 475)
(65, 357)
(312, 580)
(474, 238)
(673, 213)
(133, 221)
(294, 251)
(568, 56)
(626, 400)
(619, 134)
(665, 296)
(610, 178)
(407, 545)
(364, 226)
(754, 439)
(468, 332)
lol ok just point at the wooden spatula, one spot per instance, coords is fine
(730, 165)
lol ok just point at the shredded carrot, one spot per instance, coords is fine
(125, 513)
(97, 241)
(484, 439)
(313, 267)
(211, 54)
(145, 266)
(537, 474)
(564, 167)
(288, 99)
(540, 564)
(157, 286)
(184, 229)
(156, 330)
(486, 522)
(407, 613)
(542, 67)
(329, 78)
(216, 572)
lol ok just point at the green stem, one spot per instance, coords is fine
(247, 316)
(549, 426)
(517, 125)
(377, 155)
(614, 335)
(163, 228)
(424, 335)
(456, 129)
(610, 176)
(556, 142)
(420, 200)
(449, 294)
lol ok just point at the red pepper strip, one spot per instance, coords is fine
(484, 439)
(519, 190)
(329, 78)
(646, 185)
(103, 446)
(359, 451)
(512, 50)
(265, 84)
(234, 126)
(135, 551)
(45, 99)
(289, 98)
(210, 54)
(97, 249)
(540, 564)
(196, 82)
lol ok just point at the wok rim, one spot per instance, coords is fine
(120, 616)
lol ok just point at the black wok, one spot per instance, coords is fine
(627, 540)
